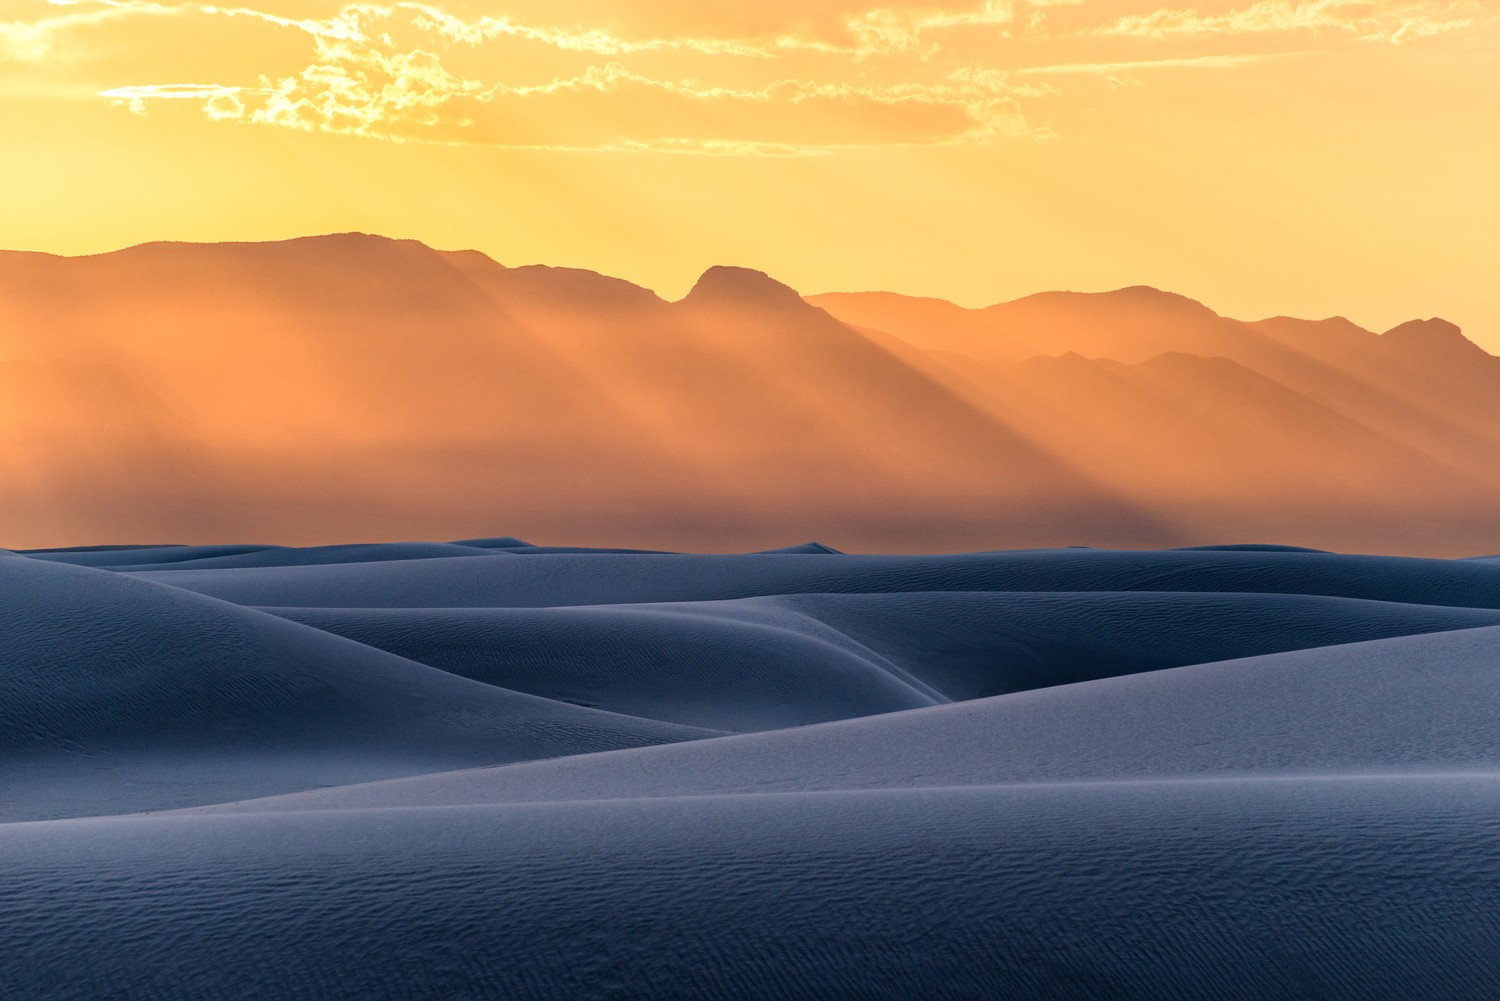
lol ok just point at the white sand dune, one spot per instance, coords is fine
(548, 772)
(754, 654)
(124, 695)
(581, 579)
(1423, 704)
(1240, 889)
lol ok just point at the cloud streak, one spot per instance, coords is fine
(1132, 66)
(39, 41)
(856, 76)
(361, 82)
(1370, 20)
(404, 97)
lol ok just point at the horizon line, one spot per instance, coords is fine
(363, 234)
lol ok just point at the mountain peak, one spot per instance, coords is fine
(345, 239)
(1433, 327)
(1135, 299)
(722, 285)
(1428, 335)
(1150, 295)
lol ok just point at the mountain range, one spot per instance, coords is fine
(333, 388)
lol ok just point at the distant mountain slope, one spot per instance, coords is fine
(1294, 425)
(343, 387)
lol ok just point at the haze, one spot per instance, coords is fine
(355, 388)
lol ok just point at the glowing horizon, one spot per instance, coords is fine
(1262, 156)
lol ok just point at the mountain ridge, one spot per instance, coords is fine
(1138, 292)
(320, 389)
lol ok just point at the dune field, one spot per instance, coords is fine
(488, 769)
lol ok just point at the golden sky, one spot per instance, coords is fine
(1311, 157)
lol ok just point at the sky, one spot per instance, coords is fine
(1301, 157)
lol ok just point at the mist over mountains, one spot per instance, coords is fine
(328, 389)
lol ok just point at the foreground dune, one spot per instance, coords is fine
(487, 769)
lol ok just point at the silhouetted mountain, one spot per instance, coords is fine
(1433, 340)
(352, 386)
(1424, 389)
(723, 287)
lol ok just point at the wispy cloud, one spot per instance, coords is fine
(855, 75)
(219, 103)
(1131, 66)
(38, 41)
(411, 96)
(361, 82)
(1382, 20)
(901, 30)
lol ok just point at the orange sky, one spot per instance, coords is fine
(1310, 157)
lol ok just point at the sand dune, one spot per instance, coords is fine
(125, 695)
(336, 389)
(919, 648)
(386, 770)
(584, 579)
(1412, 705)
(1340, 888)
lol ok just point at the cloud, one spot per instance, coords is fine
(362, 81)
(405, 97)
(31, 43)
(1368, 19)
(38, 41)
(218, 102)
(357, 89)
(1131, 66)
(765, 79)
(849, 27)
(899, 30)
(594, 41)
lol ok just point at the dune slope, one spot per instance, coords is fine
(1331, 888)
(123, 695)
